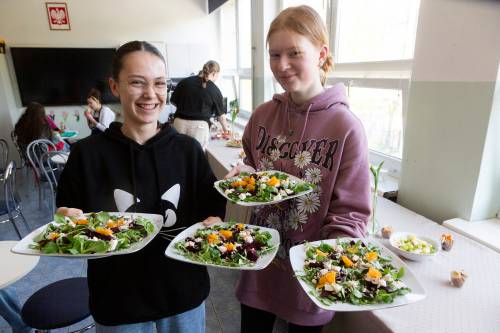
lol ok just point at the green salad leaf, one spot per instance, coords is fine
(91, 233)
(228, 244)
(264, 186)
(351, 272)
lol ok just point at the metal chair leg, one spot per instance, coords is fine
(12, 220)
(24, 221)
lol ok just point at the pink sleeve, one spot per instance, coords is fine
(350, 206)
(52, 124)
(247, 144)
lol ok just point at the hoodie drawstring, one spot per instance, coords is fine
(305, 123)
(134, 185)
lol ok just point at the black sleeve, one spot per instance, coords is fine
(176, 94)
(211, 203)
(218, 101)
(70, 186)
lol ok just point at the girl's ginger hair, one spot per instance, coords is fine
(305, 21)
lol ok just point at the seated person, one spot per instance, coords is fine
(11, 312)
(98, 116)
(33, 125)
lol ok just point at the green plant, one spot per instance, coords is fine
(376, 175)
(234, 105)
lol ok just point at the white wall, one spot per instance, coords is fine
(449, 141)
(97, 23)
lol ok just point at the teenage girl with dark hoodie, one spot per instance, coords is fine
(307, 131)
(142, 167)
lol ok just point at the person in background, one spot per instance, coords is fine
(310, 133)
(98, 116)
(11, 311)
(142, 167)
(197, 98)
(33, 125)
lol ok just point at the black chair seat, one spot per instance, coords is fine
(60, 304)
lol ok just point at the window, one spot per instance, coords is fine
(380, 110)
(236, 79)
(373, 44)
(376, 30)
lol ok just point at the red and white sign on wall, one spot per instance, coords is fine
(58, 16)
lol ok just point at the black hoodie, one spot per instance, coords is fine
(145, 285)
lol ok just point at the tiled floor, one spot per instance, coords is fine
(222, 311)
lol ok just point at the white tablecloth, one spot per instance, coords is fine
(473, 308)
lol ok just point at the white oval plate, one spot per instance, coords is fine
(261, 263)
(22, 247)
(249, 204)
(298, 256)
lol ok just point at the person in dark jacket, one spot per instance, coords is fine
(146, 168)
(197, 98)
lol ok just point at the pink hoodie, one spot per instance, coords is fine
(321, 142)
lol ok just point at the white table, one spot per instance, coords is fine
(472, 308)
(14, 266)
(220, 159)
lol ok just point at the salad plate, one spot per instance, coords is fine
(262, 188)
(44, 241)
(351, 274)
(226, 245)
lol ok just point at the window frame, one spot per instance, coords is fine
(239, 73)
(390, 74)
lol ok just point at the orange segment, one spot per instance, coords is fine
(327, 278)
(53, 236)
(373, 273)
(371, 256)
(104, 231)
(273, 181)
(229, 246)
(213, 239)
(226, 233)
(347, 262)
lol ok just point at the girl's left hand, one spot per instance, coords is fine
(211, 220)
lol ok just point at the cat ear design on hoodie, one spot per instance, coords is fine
(123, 200)
(172, 196)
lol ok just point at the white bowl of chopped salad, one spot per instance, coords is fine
(414, 247)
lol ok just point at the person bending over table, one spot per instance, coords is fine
(197, 98)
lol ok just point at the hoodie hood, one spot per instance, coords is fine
(329, 97)
(166, 134)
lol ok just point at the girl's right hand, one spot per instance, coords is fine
(69, 211)
(239, 169)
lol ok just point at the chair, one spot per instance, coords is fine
(11, 204)
(34, 152)
(22, 152)
(60, 304)
(52, 164)
(4, 156)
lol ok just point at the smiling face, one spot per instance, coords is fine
(295, 63)
(141, 88)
